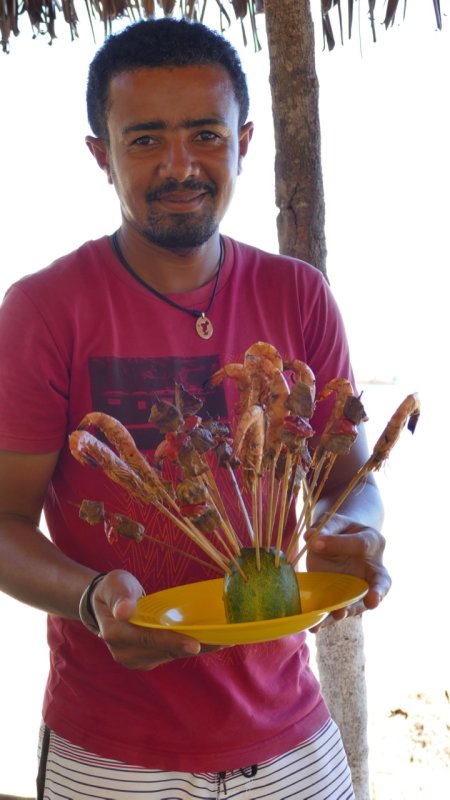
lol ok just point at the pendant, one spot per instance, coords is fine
(204, 327)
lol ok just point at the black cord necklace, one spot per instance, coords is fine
(203, 324)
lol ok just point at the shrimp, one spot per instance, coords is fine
(341, 429)
(276, 409)
(253, 417)
(407, 413)
(253, 376)
(250, 438)
(89, 450)
(237, 372)
(301, 400)
(276, 413)
(342, 389)
(266, 351)
(121, 439)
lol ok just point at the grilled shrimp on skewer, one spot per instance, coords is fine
(249, 440)
(122, 440)
(408, 414)
(253, 377)
(301, 400)
(341, 429)
(89, 450)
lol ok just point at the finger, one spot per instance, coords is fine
(335, 527)
(140, 648)
(168, 644)
(379, 585)
(331, 619)
(356, 544)
(339, 614)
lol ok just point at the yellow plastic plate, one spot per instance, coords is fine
(197, 609)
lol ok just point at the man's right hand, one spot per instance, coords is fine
(114, 600)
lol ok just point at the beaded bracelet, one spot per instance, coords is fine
(85, 610)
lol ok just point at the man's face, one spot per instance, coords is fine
(174, 151)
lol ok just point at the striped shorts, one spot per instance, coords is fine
(315, 770)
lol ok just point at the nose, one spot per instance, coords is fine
(177, 161)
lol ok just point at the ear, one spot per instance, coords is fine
(245, 135)
(100, 151)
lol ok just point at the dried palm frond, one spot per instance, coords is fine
(43, 14)
(391, 10)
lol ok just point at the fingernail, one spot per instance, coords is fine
(192, 648)
(318, 544)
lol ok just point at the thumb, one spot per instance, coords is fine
(124, 607)
(119, 591)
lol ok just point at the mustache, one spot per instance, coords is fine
(172, 185)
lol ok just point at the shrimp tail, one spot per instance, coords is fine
(413, 420)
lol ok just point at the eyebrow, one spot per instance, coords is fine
(159, 124)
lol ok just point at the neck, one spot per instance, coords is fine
(169, 271)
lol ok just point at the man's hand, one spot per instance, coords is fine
(114, 600)
(350, 548)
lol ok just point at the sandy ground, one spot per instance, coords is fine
(410, 754)
(407, 663)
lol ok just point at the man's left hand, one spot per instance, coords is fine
(347, 547)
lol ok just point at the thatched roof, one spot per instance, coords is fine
(45, 15)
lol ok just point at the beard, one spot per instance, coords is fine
(181, 231)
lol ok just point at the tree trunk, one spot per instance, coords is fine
(295, 104)
(341, 663)
(301, 233)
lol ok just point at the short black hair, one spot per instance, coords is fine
(162, 42)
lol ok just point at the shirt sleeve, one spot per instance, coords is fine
(327, 348)
(34, 378)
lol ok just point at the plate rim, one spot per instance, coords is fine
(256, 625)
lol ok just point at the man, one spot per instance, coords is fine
(115, 324)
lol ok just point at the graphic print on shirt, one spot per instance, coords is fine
(126, 388)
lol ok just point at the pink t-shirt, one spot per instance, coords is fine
(85, 335)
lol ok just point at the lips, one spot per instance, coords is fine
(181, 201)
(183, 195)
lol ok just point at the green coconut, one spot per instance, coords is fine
(268, 593)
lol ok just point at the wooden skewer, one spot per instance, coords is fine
(282, 513)
(409, 408)
(163, 544)
(231, 537)
(231, 555)
(256, 523)
(187, 526)
(241, 503)
(211, 485)
(260, 507)
(229, 541)
(197, 536)
(270, 506)
(182, 552)
(230, 534)
(301, 520)
(362, 472)
(314, 500)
